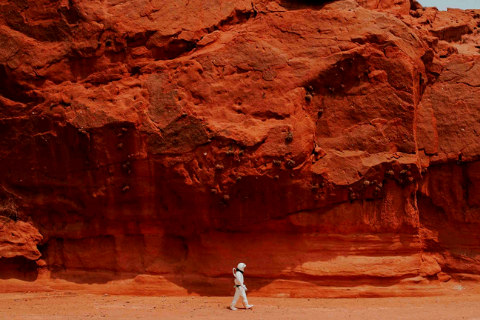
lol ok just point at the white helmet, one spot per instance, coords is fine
(241, 266)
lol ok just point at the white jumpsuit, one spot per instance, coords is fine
(240, 289)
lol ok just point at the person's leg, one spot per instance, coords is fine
(235, 299)
(244, 298)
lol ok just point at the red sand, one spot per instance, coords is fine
(72, 306)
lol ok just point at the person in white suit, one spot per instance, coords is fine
(240, 287)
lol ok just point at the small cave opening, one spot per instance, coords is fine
(304, 4)
(173, 49)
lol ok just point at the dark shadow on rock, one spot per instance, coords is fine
(314, 247)
(450, 217)
(18, 268)
(304, 4)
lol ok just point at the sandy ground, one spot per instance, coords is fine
(73, 306)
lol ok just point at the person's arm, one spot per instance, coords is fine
(239, 276)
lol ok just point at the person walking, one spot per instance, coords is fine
(240, 287)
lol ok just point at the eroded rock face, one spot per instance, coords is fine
(332, 147)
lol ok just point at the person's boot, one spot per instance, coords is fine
(249, 306)
(233, 308)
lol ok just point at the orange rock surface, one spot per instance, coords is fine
(150, 146)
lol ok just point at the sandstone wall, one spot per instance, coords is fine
(332, 147)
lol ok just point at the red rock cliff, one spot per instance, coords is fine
(332, 147)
